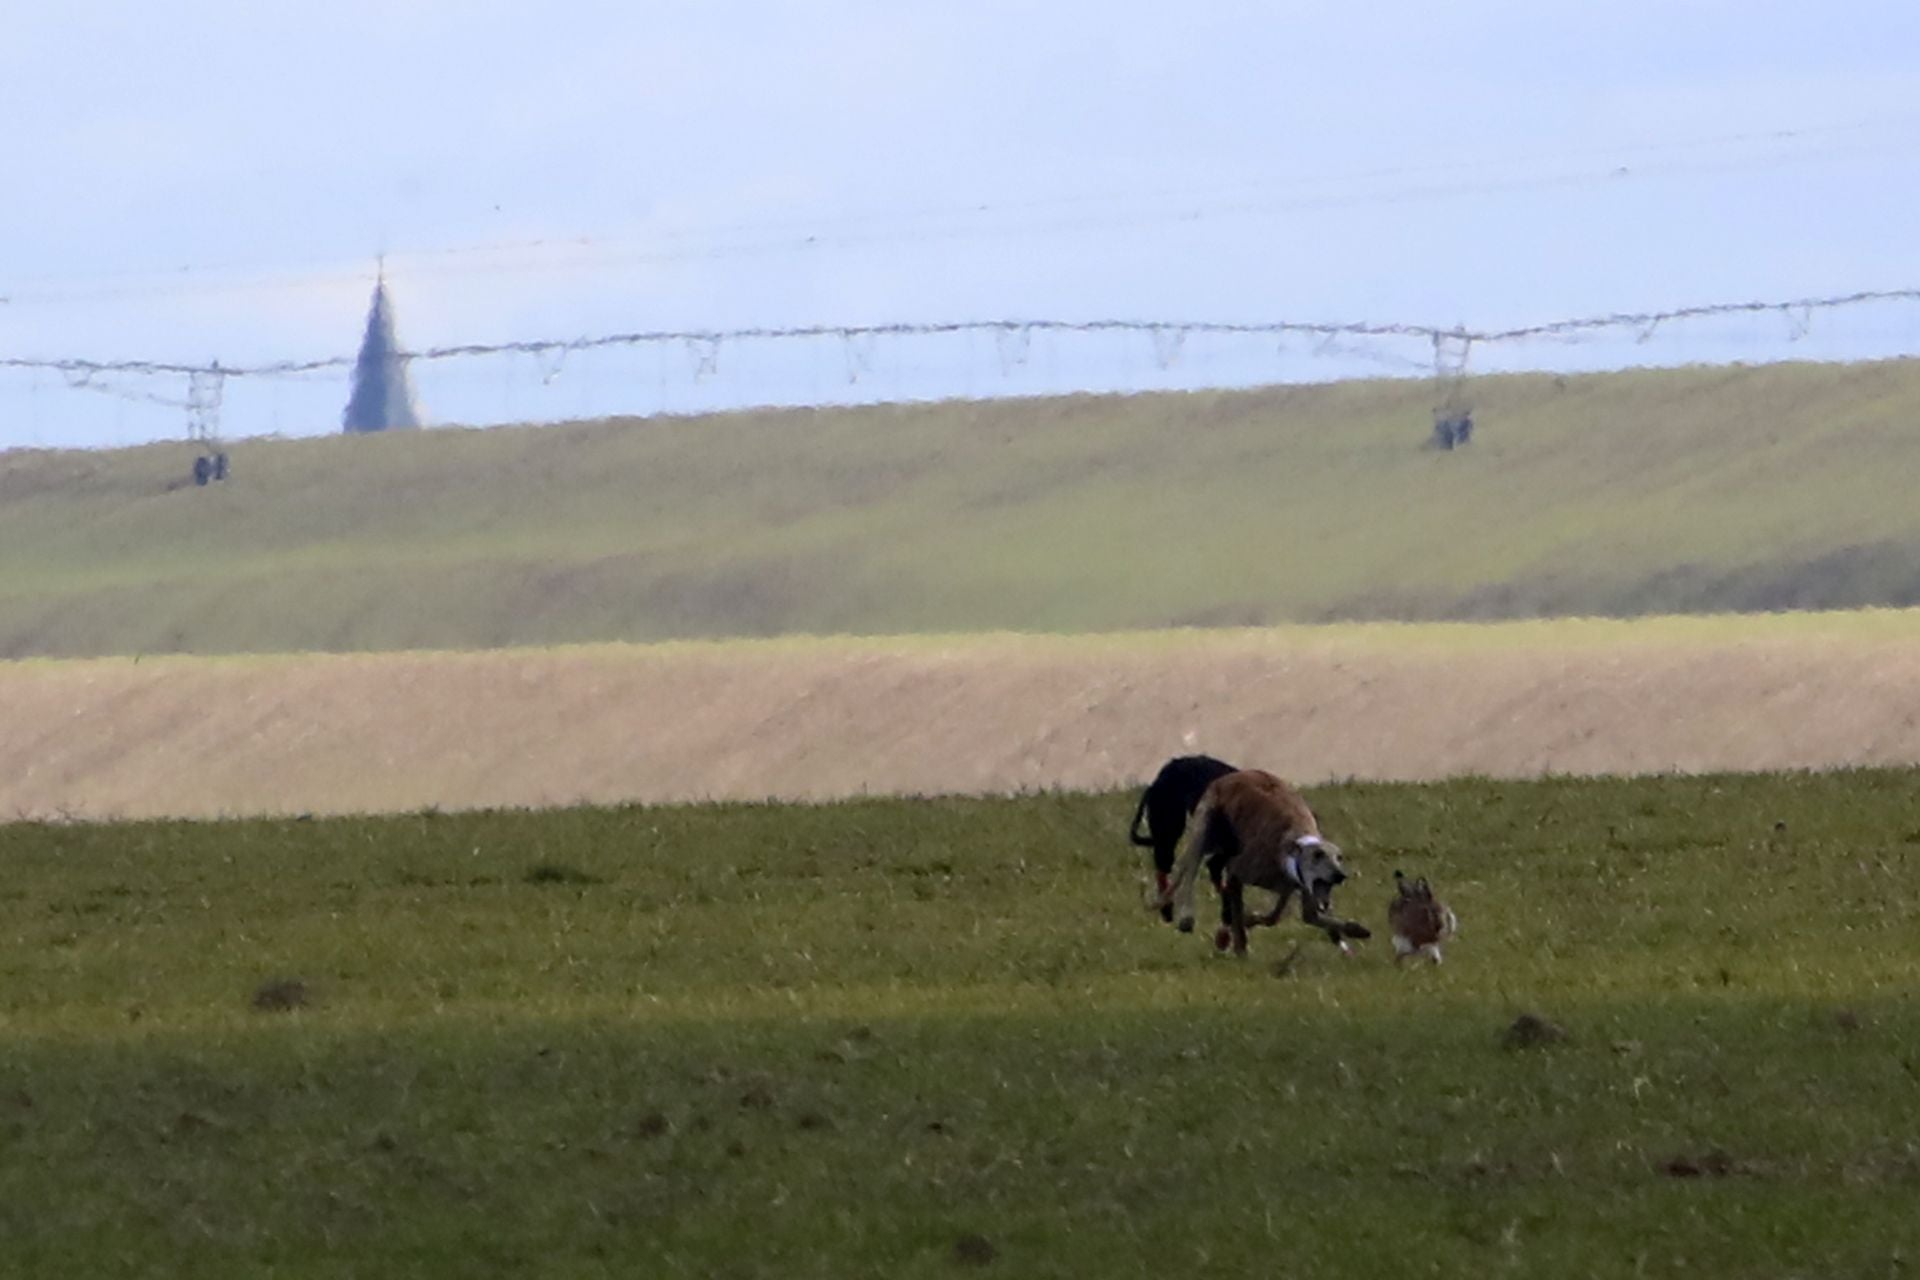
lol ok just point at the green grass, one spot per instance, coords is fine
(886, 1038)
(1622, 494)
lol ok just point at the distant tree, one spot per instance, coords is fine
(382, 398)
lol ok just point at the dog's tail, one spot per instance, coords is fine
(1133, 829)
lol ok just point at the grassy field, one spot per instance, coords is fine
(1620, 494)
(919, 1038)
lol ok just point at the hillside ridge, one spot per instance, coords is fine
(1621, 494)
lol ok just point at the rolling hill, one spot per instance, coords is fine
(1690, 490)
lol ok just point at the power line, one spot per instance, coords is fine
(79, 370)
(1080, 212)
(1796, 310)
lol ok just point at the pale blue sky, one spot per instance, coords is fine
(214, 179)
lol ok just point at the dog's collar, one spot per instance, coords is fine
(1292, 865)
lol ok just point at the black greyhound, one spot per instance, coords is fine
(1166, 804)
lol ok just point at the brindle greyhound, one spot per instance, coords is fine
(1264, 834)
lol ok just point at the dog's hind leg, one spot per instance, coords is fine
(1221, 882)
(1233, 908)
(1166, 845)
(1200, 840)
(1223, 889)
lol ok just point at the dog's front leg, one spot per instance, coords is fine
(1261, 873)
(1165, 850)
(1325, 921)
(1272, 917)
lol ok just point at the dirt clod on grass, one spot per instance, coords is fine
(189, 1122)
(974, 1250)
(281, 995)
(1530, 1031)
(558, 873)
(1710, 1164)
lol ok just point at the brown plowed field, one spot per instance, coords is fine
(825, 719)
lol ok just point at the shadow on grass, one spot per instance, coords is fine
(1694, 1136)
